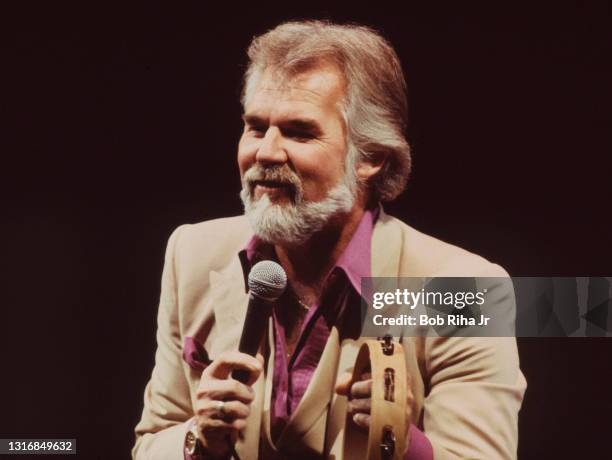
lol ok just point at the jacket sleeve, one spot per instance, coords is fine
(475, 392)
(167, 409)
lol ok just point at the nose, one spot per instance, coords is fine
(270, 150)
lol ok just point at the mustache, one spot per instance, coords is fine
(282, 174)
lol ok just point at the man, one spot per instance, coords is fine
(322, 146)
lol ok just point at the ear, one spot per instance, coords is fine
(370, 167)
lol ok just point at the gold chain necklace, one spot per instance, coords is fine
(302, 304)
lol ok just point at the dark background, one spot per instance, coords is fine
(122, 123)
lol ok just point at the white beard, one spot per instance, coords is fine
(294, 223)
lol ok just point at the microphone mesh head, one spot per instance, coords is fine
(267, 279)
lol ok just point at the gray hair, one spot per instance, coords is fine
(375, 109)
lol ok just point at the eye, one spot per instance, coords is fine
(298, 135)
(257, 130)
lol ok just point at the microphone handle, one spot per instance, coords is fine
(255, 324)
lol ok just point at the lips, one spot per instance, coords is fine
(271, 184)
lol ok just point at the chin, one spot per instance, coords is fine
(295, 223)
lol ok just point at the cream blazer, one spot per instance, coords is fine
(468, 391)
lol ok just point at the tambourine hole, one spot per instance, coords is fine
(389, 383)
(387, 446)
(386, 343)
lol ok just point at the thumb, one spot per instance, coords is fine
(343, 384)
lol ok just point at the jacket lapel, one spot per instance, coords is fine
(229, 301)
(386, 251)
(316, 398)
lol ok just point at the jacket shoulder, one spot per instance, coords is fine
(425, 255)
(214, 243)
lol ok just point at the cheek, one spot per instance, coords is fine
(325, 169)
(246, 155)
(318, 178)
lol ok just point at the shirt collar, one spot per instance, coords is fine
(355, 261)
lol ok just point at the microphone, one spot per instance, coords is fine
(267, 282)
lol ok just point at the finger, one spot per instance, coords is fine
(225, 390)
(361, 389)
(362, 405)
(214, 428)
(221, 367)
(408, 380)
(239, 424)
(344, 383)
(253, 376)
(228, 410)
(362, 420)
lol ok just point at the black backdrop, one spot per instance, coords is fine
(123, 123)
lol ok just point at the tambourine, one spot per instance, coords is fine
(386, 439)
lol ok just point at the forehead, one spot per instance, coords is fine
(314, 92)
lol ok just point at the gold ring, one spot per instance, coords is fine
(221, 406)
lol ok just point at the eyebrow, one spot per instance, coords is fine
(301, 124)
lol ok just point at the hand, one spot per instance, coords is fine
(360, 402)
(222, 404)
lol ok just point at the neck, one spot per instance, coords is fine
(308, 264)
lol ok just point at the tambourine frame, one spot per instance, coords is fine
(386, 439)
